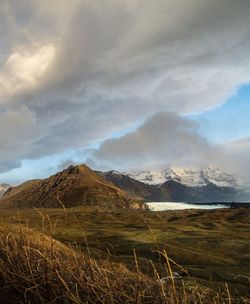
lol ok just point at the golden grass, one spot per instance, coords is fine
(35, 268)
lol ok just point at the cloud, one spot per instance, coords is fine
(23, 69)
(19, 130)
(235, 156)
(6, 166)
(169, 139)
(81, 70)
(165, 138)
(65, 164)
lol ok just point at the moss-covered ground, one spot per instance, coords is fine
(212, 246)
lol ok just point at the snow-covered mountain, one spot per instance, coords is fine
(187, 177)
(3, 188)
(173, 184)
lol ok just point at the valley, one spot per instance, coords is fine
(102, 219)
(211, 245)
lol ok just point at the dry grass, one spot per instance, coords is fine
(35, 268)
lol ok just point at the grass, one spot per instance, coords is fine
(212, 246)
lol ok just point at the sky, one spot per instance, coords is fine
(123, 84)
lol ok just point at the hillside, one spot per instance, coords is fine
(134, 187)
(14, 190)
(175, 190)
(203, 194)
(37, 268)
(75, 186)
(212, 247)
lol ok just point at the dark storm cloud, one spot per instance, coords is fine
(9, 165)
(65, 164)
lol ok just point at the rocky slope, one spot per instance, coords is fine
(200, 194)
(134, 187)
(75, 186)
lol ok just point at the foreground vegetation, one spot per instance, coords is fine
(120, 256)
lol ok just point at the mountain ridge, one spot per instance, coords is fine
(188, 176)
(194, 186)
(74, 186)
(79, 185)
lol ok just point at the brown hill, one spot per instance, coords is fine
(13, 190)
(75, 186)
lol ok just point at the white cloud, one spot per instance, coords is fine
(235, 156)
(23, 69)
(165, 138)
(85, 69)
(168, 139)
(19, 130)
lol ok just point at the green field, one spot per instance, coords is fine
(212, 246)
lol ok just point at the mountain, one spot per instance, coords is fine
(75, 186)
(134, 187)
(187, 177)
(199, 194)
(180, 185)
(3, 188)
